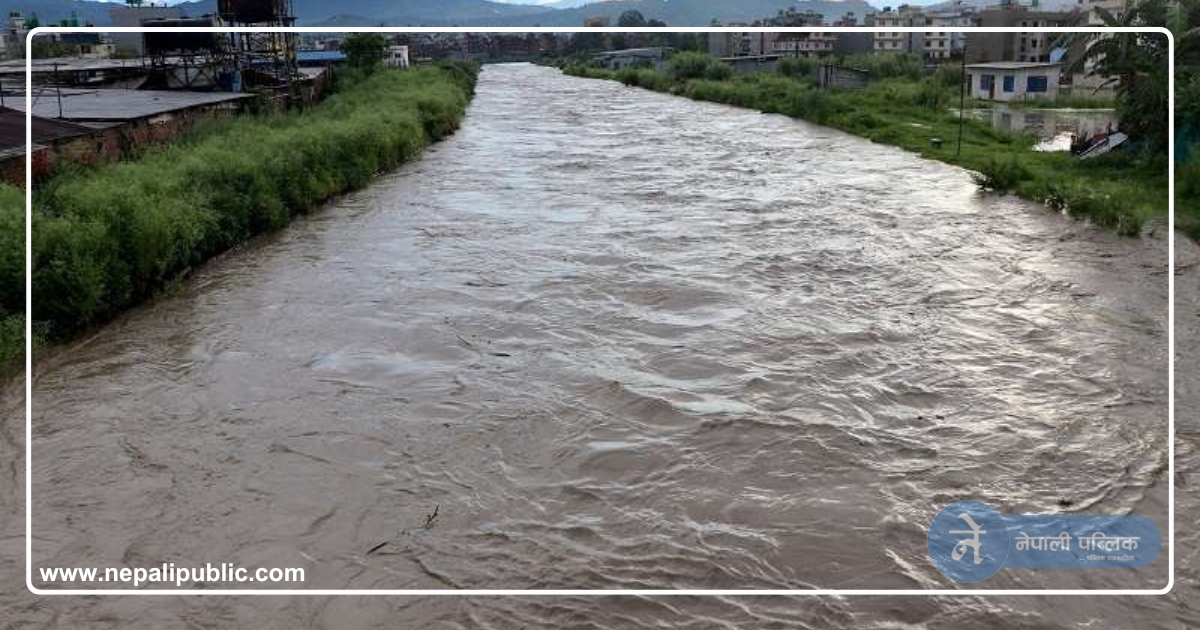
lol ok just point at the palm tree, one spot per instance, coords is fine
(1136, 63)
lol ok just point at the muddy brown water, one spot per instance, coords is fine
(618, 340)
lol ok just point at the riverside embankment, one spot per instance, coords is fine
(1113, 191)
(109, 237)
(616, 339)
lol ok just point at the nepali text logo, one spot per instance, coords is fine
(990, 541)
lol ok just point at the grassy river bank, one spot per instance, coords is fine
(908, 110)
(109, 237)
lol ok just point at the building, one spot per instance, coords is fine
(87, 45)
(722, 45)
(1030, 47)
(899, 41)
(1006, 81)
(946, 44)
(12, 38)
(397, 56)
(655, 57)
(130, 16)
(100, 125)
(804, 44)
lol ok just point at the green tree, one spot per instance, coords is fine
(1136, 63)
(632, 19)
(364, 50)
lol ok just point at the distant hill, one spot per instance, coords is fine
(687, 12)
(475, 12)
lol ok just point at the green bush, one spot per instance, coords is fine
(798, 68)
(106, 238)
(886, 65)
(12, 343)
(694, 65)
(12, 249)
(1001, 174)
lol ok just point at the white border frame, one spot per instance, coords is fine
(592, 592)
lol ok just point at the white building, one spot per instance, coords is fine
(1013, 80)
(397, 56)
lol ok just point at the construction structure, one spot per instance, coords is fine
(189, 61)
(264, 59)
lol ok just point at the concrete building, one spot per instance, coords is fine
(943, 45)
(133, 17)
(722, 45)
(804, 44)
(898, 41)
(1006, 81)
(1030, 47)
(12, 38)
(397, 56)
(655, 57)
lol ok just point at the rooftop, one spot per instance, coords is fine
(113, 105)
(1013, 65)
(12, 130)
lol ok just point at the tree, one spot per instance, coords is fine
(1137, 64)
(632, 19)
(364, 50)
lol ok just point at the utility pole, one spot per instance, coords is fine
(962, 96)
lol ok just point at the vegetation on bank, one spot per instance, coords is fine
(12, 278)
(906, 108)
(105, 238)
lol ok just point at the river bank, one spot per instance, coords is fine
(109, 237)
(1112, 191)
(614, 343)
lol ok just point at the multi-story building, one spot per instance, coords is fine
(805, 44)
(899, 41)
(1033, 47)
(735, 44)
(12, 38)
(943, 45)
(134, 16)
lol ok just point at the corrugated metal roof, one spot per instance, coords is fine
(45, 131)
(117, 105)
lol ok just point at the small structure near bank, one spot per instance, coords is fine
(1005, 81)
(655, 57)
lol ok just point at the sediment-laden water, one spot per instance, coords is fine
(617, 339)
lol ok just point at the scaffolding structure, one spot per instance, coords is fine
(189, 61)
(263, 59)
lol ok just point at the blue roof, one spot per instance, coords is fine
(320, 55)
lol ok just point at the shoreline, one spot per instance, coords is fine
(1111, 191)
(111, 237)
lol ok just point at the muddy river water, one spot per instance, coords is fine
(617, 339)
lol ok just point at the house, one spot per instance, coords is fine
(655, 57)
(397, 56)
(1006, 81)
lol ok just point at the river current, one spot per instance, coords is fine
(608, 338)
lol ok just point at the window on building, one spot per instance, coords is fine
(1036, 84)
(986, 82)
(1009, 82)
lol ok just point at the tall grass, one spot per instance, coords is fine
(12, 278)
(106, 238)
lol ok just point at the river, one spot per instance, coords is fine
(608, 338)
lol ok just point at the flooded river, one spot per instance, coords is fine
(616, 339)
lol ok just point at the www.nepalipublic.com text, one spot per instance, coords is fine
(169, 573)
